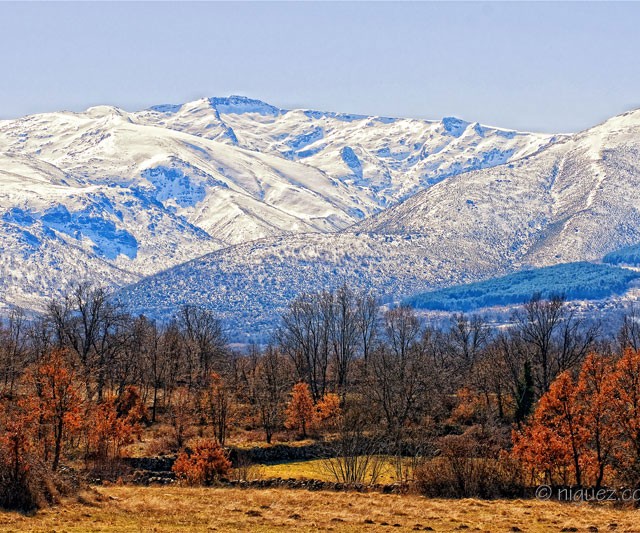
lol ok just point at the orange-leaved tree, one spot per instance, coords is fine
(55, 396)
(112, 425)
(17, 456)
(130, 405)
(554, 442)
(328, 411)
(300, 413)
(625, 387)
(594, 393)
(586, 430)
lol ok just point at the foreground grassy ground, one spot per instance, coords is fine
(163, 509)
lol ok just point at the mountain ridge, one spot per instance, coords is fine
(134, 193)
(573, 201)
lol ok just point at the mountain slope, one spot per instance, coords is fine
(111, 196)
(249, 284)
(575, 200)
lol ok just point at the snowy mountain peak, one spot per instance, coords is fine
(239, 105)
(234, 104)
(454, 126)
(627, 119)
(105, 111)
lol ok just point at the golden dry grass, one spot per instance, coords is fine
(317, 469)
(178, 509)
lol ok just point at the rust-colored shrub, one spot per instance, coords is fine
(204, 464)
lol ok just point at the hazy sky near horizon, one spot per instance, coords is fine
(555, 67)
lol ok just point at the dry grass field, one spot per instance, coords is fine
(175, 509)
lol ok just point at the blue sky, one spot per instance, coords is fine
(533, 66)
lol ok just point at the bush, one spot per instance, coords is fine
(356, 456)
(466, 469)
(26, 484)
(478, 478)
(25, 492)
(246, 470)
(25, 481)
(204, 464)
(162, 446)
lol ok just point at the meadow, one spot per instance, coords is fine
(174, 509)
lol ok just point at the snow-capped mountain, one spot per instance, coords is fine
(113, 196)
(574, 200)
(385, 159)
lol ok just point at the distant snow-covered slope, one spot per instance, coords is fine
(111, 196)
(575, 200)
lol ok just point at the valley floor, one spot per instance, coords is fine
(173, 509)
